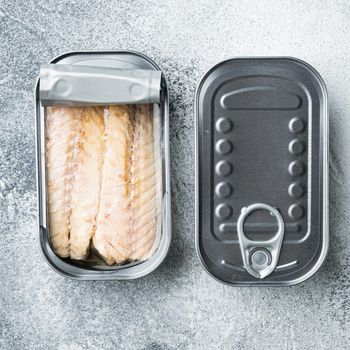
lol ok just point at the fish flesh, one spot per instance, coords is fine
(129, 214)
(86, 179)
(104, 181)
(111, 238)
(74, 156)
(60, 129)
(146, 185)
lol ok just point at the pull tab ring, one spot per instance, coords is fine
(260, 257)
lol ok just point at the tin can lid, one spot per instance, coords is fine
(262, 143)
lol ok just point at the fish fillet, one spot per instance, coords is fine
(112, 235)
(74, 156)
(85, 195)
(146, 185)
(61, 126)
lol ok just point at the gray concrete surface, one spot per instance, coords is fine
(179, 306)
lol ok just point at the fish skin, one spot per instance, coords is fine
(60, 129)
(112, 235)
(146, 185)
(86, 181)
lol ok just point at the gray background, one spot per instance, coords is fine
(178, 306)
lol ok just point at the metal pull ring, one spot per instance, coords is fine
(260, 258)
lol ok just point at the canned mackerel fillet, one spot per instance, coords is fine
(261, 171)
(102, 123)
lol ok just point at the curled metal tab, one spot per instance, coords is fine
(260, 258)
(79, 85)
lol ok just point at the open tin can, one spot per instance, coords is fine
(261, 171)
(127, 63)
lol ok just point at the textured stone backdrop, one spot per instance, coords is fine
(178, 306)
